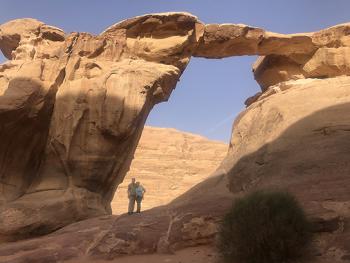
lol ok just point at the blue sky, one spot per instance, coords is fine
(211, 92)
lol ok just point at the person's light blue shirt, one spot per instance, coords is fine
(139, 191)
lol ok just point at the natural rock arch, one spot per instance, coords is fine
(86, 99)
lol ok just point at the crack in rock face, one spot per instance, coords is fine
(73, 106)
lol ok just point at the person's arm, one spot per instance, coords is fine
(129, 190)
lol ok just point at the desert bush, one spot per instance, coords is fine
(264, 227)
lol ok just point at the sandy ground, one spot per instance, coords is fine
(203, 254)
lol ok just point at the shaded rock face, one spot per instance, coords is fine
(72, 108)
(188, 221)
(169, 162)
(297, 140)
(294, 136)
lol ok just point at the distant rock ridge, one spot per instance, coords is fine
(168, 162)
(73, 107)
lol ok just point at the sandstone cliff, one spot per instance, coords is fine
(294, 136)
(297, 139)
(73, 106)
(72, 109)
(168, 163)
(77, 104)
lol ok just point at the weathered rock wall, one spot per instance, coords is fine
(169, 162)
(72, 109)
(297, 140)
(294, 136)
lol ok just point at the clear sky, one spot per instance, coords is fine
(211, 92)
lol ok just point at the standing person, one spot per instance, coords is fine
(132, 196)
(140, 191)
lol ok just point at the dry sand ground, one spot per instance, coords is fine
(202, 254)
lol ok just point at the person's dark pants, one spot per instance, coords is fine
(138, 201)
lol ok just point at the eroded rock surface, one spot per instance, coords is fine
(327, 58)
(72, 108)
(296, 138)
(189, 221)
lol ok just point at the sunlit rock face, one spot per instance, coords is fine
(73, 106)
(327, 56)
(168, 162)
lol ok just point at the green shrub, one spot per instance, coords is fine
(264, 227)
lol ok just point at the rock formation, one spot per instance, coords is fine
(168, 163)
(72, 108)
(294, 136)
(187, 222)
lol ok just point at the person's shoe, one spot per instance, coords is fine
(129, 213)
